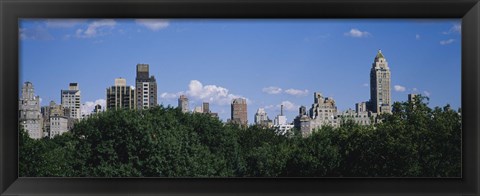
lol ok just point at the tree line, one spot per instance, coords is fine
(413, 141)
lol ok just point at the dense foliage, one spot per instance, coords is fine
(414, 140)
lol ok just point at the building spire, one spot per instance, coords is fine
(379, 54)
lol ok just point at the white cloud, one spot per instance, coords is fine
(153, 24)
(272, 90)
(399, 88)
(287, 105)
(417, 37)
(296, 92)
(96, 28)
(63, 23)
(171, 95)
(211, 93)
(88, 106)
(365, 84)
(36, 33)
(456, 28)
(426, 93)
(446, 42)
(357, 33)
(414, 89)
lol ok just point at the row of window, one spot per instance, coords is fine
(144, 89)
(55, 123)
(326, 110)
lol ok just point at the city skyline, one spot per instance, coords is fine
(269, 62)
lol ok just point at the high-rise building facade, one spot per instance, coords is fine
(411, 97)
(120, 96)
(302, 121)
(97, 109)
(239, 111)
(324, 111)
(56, 119)
(261, 116)
(280, 119)
(29, 112)
(71, 99)
(323, 108)
(380, 98)
(198, 109)
(280, 123)
(206, 107)
(183, 103)
(59, 125)
(146, 87)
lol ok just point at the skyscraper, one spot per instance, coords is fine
(29, 110)
(323, 108)
(146, 87)
(280, 123)
(302, 121)
(206, 107)
(120, 95)
(261, 117)
(71, 99)
(56, 119)
(380, 98)
(183, 103)
(98, 109)
(280, 119)
(411, 97)
(239, 111)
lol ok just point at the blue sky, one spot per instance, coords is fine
(269, 62)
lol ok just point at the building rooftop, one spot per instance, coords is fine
(379, 54)
(239, 101)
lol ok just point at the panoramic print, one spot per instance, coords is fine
(239, 98)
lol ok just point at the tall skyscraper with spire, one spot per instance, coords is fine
(380, 96)
(146, 87)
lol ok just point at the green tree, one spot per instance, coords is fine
(414, 141)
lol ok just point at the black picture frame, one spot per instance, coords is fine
(12, 10)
